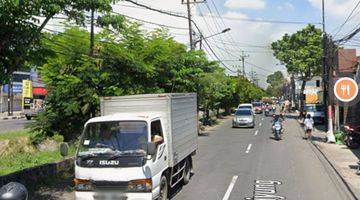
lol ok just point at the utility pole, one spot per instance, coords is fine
(188, 2)
(92, 33)
(190, 24)
(326, 75)
(242, 59)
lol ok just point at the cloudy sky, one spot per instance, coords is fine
(247, 33)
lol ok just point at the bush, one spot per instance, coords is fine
(339, 137)
(58, 138)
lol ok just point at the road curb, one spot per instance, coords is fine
(347, 185)
(12, 117)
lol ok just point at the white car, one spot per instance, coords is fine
(246, 106)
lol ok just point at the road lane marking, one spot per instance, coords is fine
(262, 118)
(248, 148)
(231, 186)
(260, 124)
(256, 132)
(264, 189)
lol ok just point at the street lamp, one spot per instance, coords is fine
(202, 37)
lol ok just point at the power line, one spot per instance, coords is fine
(265, 21)
(149, 22)
(347, 19)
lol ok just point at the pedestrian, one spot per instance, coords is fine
(308, 126)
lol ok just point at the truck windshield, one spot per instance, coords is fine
(120, 137)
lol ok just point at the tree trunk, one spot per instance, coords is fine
(302, 100)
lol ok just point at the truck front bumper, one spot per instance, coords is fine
(93, 195)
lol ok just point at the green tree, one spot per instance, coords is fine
(301, 53)
(21, 31)
(140, 62)
(276, 82)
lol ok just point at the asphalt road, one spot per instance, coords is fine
(239, 163)
(12, 125)
(248, 164)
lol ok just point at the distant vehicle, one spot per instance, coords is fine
(246, 106)
(139, 148)
(317, 112)
(35, 108)
(257, 107)
(244, 118)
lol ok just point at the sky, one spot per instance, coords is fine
(252, 37)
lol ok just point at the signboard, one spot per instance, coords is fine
(346, 89)
(17, 88)
(27, 94)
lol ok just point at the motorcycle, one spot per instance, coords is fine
(267, 112)
(352, 137)
(277, 130)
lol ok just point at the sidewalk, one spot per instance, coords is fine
(16, 115)
(343, 159)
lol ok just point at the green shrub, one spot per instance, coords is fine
(339, 137)
(58, 138)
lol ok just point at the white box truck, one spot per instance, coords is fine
(140, 147)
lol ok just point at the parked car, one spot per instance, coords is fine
(139, 148)
(257, 107)
(244, 118)
(317, 112)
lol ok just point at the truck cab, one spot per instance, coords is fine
(114, 156)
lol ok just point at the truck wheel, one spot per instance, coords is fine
(28, 117)
(186, 173)
(164, 188)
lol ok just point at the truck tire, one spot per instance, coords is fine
(187, 172)
(28, 117)
(164, 188)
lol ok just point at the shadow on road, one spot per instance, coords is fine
(53, 189)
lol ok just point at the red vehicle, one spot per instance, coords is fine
(257, 107)
(352, 136)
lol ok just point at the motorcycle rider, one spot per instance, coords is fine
(277, 119)
(308, 126)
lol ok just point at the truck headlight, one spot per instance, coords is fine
(141, 185)
(83, 185)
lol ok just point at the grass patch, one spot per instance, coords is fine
(14, 134)
(20, 161)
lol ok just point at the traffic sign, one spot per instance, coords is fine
(346, 89)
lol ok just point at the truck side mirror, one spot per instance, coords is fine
(13, 190)
(151, 148)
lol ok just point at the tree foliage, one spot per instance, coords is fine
(21, 26)
(276, 82)
(301, 53)
(127, 60)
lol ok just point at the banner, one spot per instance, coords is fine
(27, 94)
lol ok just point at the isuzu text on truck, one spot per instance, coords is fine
(140, 147)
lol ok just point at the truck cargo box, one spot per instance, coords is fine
(178, 111)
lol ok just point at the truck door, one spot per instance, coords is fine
(159, 161)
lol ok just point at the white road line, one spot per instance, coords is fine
(260, 124)
(262, 118)
(228, 191)
(256, 132)
(248, 148)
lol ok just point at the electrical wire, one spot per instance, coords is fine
(347, 19)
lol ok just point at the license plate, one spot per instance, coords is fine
(109, 196)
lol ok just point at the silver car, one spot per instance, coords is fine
(244, 118)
